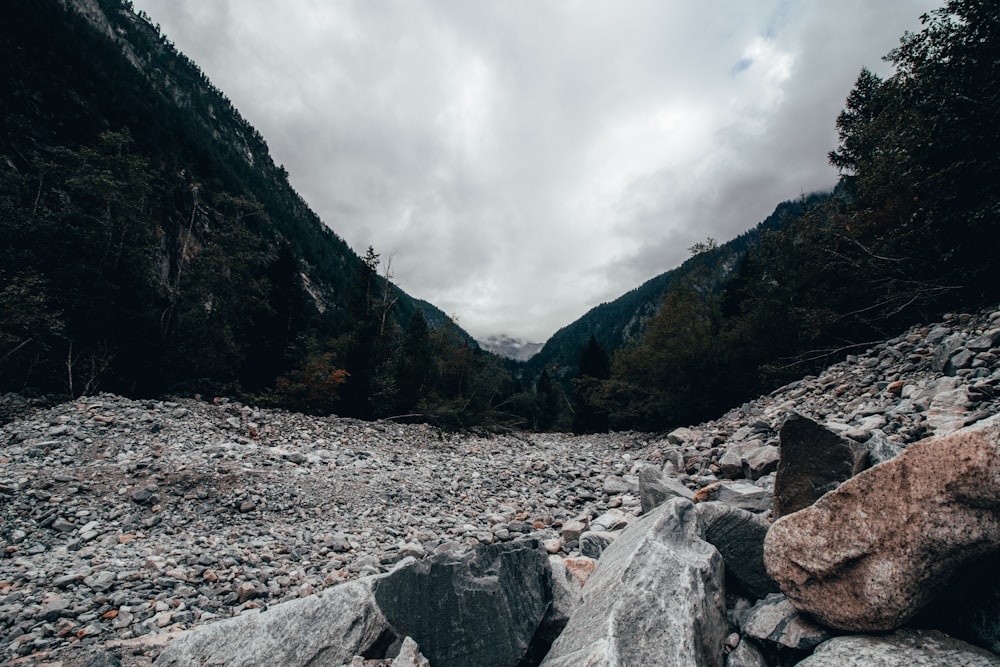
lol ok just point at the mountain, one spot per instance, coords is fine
(614, 324)
(510, 348)
(151, 243)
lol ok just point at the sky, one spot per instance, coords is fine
(519, 162)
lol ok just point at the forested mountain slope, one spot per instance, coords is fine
(151, 243)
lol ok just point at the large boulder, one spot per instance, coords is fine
(739, 537)
(328, 628)
(869, 555)
(813, 460)
(480, 607)
(656, 598)
(903, 648)
(655, 488)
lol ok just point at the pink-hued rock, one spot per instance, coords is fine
(870, 554)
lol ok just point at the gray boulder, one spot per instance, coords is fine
(655, 489)
(328, 628)
(739, 537)
(480, 607)
(903, 648)
(814, 460)
(656, 598)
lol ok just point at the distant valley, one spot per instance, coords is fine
(510, 348)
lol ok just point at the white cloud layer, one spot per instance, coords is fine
(525, 160)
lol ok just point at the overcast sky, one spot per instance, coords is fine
(522, 161)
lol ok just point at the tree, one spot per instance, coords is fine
(312, 387)
(590, 414)
(76, 229)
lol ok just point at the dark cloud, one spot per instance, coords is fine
(523, 161)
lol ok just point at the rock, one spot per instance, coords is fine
(745, 496)
(869, 555)
(948, 410)
(681, 435)
(54, 608)
(103, 659)
(615, 485)
(731, 462)
(944, 350)
(580, 568)
(327, 628)
(566, 592)
(567, 587)
(672, 611)
(571, 530)
(877, 449)
(813, 461)
(594, 542)
(746, 655)
(762, 461)
(476, 608)
(775, 620)
(655, 489)
(63, 526)
(984, 342)
(613, 519)
(903, 648)
(410, 655)
(739, 537)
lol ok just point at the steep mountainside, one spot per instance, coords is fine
(152, 244)
(75, 68)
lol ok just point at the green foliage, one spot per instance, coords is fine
(77, 254)
(313, 386)
(590, 412)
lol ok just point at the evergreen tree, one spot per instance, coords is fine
(590, 413)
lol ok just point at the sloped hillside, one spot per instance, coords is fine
(151, 243)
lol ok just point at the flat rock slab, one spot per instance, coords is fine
(904, 648)
(656, 598)
(869, 555)
(328, 628)
(481, 607)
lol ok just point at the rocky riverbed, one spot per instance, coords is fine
(125, 521)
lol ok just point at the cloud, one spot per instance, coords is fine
(524, 161)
